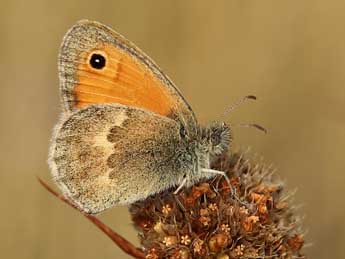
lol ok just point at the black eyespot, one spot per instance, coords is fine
(97, 61)
(183, 132)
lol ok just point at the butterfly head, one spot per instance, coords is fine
(216, 138)
(212, 140)
(198, 147)
(206, 142)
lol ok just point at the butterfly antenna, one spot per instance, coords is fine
(250, 125)
(238, 103)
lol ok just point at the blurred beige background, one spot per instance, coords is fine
(290, 53)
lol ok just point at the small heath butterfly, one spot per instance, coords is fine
(126, 132)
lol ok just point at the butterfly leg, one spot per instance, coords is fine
(233, 191)
(179, 202)
(212, 171)
(182, 207)
(183, 183)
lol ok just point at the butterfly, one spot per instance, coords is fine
(125, 132)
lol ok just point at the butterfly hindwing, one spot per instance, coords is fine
(104, 155)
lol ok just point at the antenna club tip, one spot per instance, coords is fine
(259, 127)
(252, 97)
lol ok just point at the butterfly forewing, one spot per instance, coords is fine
(97, 65)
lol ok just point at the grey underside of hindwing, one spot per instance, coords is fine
(112, 154)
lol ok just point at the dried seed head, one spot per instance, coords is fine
(296, 242)
(249, 222)
(158, 227)
(213, 207)
(217, 242)
(223, 256)
(207, 221)
(182, 253)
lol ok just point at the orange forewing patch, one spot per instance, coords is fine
(123, 80)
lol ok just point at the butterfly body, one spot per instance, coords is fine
(126, 132)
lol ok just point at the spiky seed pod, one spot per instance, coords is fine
(249, 219)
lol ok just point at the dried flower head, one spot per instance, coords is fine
(169, 241)
(198, 246)
(185, 240)
(152, 254)
(239, 250)
(249, 219)
(166, 209)
(225, 228)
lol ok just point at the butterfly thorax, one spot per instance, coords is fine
(202, 146)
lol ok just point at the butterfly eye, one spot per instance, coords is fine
(97, 61)
(183, 132)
